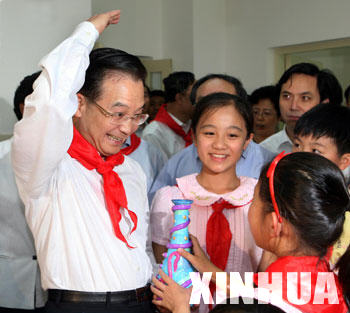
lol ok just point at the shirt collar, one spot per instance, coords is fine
(285, 141)
(127, 142)
(284, 137)
(185, 126)
(192, 190)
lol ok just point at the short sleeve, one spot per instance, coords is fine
(161, 214)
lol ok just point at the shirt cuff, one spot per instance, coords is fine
(86, 33)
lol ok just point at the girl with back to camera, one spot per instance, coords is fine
(297, 213)
(222, 129)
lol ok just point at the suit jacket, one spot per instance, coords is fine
(19, 272)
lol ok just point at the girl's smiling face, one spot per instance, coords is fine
(221, 137)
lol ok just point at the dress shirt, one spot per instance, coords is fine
(162, 137)
(149, 157)
(20, 286)
(64, 202)
(278, 142)
(187, 162)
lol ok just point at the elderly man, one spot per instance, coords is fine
(85, 201)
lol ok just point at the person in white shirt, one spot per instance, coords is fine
(148, 156)
(85, 202)
(20, 288)
(300, 88)
(170, 129)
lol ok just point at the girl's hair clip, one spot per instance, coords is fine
(270, 174)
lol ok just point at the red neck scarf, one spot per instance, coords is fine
(164, 117)
(219, 236)
(115, 196)
(134, 144)
(309, 264)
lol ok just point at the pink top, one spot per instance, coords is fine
(244, 255)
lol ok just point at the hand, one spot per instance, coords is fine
(101, 21)
(198, 259)
(172, 296)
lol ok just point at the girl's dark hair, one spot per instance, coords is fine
(311, 194)
(219, 100)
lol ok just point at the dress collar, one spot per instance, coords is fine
(192, 190)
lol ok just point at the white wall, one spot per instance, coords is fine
(254, 27)
(29, 29)
(177, 33)
(139, 30)
(209, 37)
(158, 29)
(204, 36)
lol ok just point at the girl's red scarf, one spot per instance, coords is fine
(219, 236)
(115, 196)
(134, 144)
(306, 264)
(164, 117)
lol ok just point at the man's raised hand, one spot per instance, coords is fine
(101, 21)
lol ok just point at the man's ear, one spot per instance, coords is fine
(325, 101)
(344, 161)
(178, 97)
(81, 105)
(248, 140)
(21, 107)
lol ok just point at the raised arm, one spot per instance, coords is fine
(43, 136)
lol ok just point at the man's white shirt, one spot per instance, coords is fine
(64, 202)
(164, 138)
(278, 142)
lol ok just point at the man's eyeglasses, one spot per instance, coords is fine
(118, 117)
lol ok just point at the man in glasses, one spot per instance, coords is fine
(85, 201)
